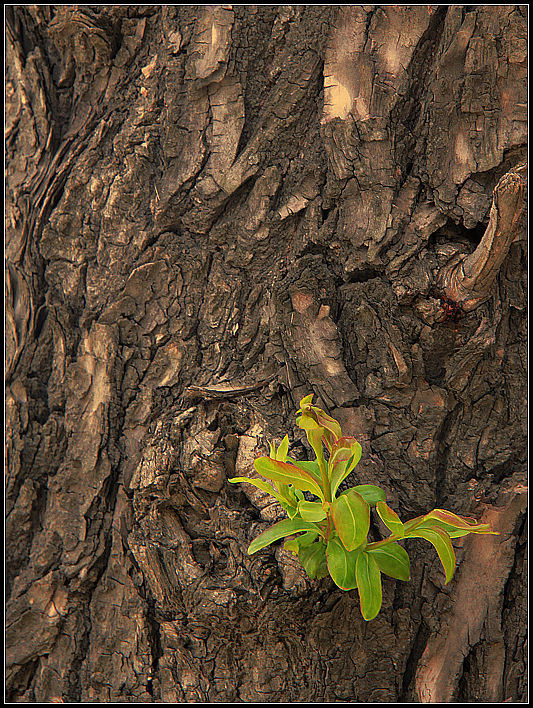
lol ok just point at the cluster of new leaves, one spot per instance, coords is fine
(330, 535)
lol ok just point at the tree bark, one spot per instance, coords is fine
(213, 211)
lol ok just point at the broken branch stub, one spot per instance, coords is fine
(469, 280)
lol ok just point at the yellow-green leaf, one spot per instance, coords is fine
(370, 493)
(345, 455)
(283, 449)
(331, 428)
(259, 483)
(313, 559)
(292, 545)
(443, 545)
(390, 518)
(306, 401)
(341, 564)
(310, 466)
(284, 496)
(314, 435)
(392, 559)
(285, 473)
(368, 578)
(311, 511)
(453, 524)
(280, 530)
(351, 516)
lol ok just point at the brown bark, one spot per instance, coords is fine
(213, 211)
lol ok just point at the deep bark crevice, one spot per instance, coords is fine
(411, 664)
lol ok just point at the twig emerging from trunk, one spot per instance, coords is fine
(469, 281)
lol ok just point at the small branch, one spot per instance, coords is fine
(228, 390)
(469, 281)
(379, 544)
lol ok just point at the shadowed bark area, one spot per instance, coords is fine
(212, 212)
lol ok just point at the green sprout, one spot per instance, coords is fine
(330, 535)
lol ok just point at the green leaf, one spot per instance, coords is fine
(341, 564)
(331, 428)
(288, 474)
(351, 516)
(280, 530)
(443, 545)
(292, 545)
(307, 421)
(292, 511)
(310, 466)
(368, 578)
(436, 524)
(311, 511)
(345, 455)
(453, 524)
(390, 518)
(343, 450)
(285, 496)
(393, 560)
(288, 492)
(313, 559)
(295, 545)
(283, 449)
(314, 435)
(260, 484)
(370, 493)
(306, 539)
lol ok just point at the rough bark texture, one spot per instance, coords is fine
(211, 212)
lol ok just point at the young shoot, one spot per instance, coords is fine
(330, 533)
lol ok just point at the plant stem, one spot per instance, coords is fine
(378, 544)
(327, 528)
(326, 486)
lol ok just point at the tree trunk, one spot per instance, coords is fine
(212, 212)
